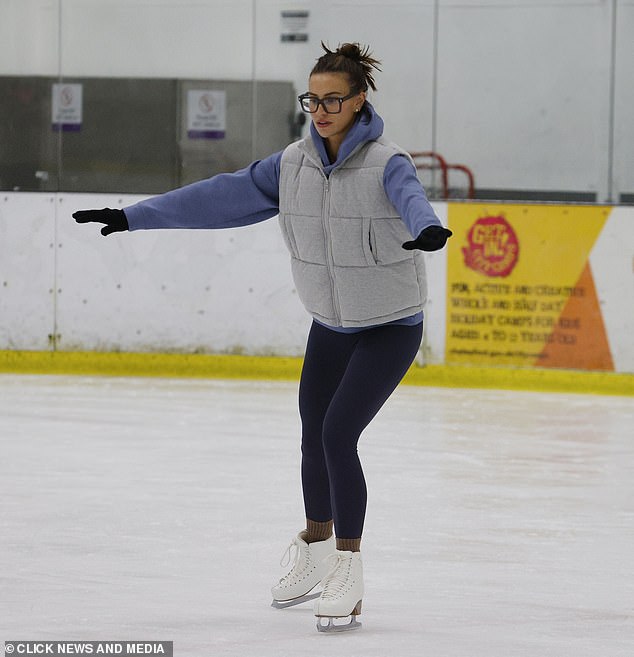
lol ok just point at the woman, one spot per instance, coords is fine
(349, 204)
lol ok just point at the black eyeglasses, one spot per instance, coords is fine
(331, 104)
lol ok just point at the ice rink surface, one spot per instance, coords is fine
(500, 524)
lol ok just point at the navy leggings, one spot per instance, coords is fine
(346, 379)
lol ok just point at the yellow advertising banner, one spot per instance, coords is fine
(520, 289)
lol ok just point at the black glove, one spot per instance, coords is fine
(115, 220)
(431, 238)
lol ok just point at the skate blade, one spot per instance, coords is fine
(331, 626)
(277, 604)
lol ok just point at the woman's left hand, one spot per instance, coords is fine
(431, 238)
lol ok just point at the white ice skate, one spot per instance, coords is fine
(309, 568)
(342, 593)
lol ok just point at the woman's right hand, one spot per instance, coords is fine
(114, 220)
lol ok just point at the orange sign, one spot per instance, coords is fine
(520, 287)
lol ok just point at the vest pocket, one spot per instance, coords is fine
(371, 255)
(387, 237)
(305, 238)
(287, 234)
(352, 242)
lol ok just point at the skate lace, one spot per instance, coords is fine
(336, 580)
(288, 555)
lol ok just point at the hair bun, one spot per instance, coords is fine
(360, 64)
(351, 50)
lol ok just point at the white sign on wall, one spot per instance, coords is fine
(206, 114)
(66, 107)
(294, 25)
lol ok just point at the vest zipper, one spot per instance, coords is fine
(330, 261)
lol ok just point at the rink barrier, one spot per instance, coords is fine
(64, 288)
(229, 366)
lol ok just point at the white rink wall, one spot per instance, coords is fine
(65, 287)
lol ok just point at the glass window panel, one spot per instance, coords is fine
(520, 94)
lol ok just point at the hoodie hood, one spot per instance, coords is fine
(367, 127)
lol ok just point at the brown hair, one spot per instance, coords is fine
(354, 60)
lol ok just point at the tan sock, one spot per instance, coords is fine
(317, 531)
(349, 544)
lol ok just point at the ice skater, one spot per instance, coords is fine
(355, 219)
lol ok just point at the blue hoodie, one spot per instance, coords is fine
(251, 195)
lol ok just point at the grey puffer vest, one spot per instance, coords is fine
(345, 238)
